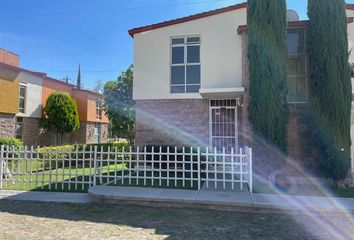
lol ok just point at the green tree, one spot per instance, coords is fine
(119, 105)
(61, 115)
(268, 109)
(330, 85)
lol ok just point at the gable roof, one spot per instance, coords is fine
(134, 31)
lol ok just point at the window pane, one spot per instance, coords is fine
(177, 41)
(177, 55)
(193, 88)
(177, 89)
(193, 74)
(22, 91)
(295, 41)
(193, 40)
(22, 104)
(177, 75)
(193, 54)
(297, 89)
(296, 65)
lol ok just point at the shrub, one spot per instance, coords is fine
(9, 141)
(330, 84)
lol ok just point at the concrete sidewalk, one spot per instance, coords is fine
(221, 200)
(218, 200)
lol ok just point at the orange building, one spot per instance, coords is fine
(93, 121)
(24, 93)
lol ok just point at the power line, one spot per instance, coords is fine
(108, 10)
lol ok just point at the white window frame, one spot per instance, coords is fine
(306, 74)
(22, 110)
(185, 45)
(99, 106)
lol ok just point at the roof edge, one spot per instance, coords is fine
(293, 24)
(350, 6)
(134, 31)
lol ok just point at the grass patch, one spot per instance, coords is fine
(69, 179)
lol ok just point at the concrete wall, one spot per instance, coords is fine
(172, 122)
(33, 104)
(221, 55)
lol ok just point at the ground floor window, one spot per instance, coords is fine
(19, 127)
(223, 124)
(97, 133)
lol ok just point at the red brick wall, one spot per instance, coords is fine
(9, 58)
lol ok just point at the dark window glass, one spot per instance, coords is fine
(193, 40)
(296, 66)
(193, 74)
(177, 55)
(295, 41)
(177, 75)
(193, 88)
(177, 41)
(177, 89)
(193, 54)
(19, 127)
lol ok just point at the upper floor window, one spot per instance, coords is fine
(22, 99)
(99, 105)
(297, 64)
(185, 64)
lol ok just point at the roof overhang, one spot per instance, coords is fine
(8, 73)
(294, 24)
(221, 93)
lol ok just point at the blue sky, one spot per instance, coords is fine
(55, 36)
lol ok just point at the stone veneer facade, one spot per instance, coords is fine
(34, 135)
(172, 122)
(7, 125)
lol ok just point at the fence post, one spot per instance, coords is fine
(94, 165)
(199, 169)
(250, 170)
(1, 165)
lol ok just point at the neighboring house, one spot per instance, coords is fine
(191, 81)
(24, 94)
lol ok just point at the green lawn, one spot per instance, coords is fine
(320, 192)
(69, 179)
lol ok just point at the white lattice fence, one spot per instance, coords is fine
(166, 167)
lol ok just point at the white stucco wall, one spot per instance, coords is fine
(33, 105)
(221, 55)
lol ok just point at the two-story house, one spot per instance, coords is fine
(24, 93)
(191, 80)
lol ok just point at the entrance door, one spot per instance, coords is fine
(223, 123)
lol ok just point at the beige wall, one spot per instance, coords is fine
(221, 55)
(33, 102)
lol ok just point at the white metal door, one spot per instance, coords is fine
(223, 124)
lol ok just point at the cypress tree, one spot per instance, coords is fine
(268, 109)
(330, 85)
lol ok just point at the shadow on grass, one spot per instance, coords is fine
(174, 223)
